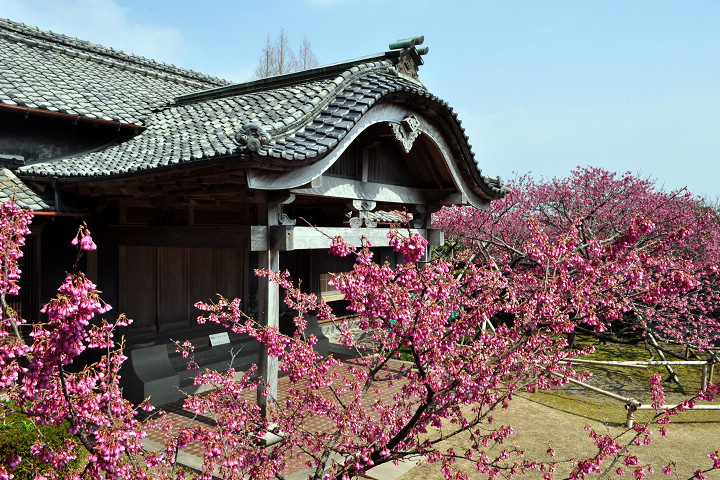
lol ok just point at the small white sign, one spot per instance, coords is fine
(219, 339)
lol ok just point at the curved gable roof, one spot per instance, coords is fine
(190, 119)
(304, 117)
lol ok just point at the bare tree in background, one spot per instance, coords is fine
(265, 66)
(278, 57)
(306, 57)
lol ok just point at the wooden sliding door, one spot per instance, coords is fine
(160, 285)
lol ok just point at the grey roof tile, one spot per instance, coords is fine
(281, 111)
(12, 187)
(305, 116)
(44, 70)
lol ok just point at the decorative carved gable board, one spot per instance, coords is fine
(406, 131)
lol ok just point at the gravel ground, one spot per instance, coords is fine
(559, 419)
(538, 425)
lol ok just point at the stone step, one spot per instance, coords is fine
(240, 363)
(206, 355)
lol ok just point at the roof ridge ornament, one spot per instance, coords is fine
(252, 136)
(409, 58)
(406, 131)
(407, 42)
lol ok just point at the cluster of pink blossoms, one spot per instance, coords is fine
(44, 378)
(412, 247)
(14, 225)
(655, 252)
(470, 336)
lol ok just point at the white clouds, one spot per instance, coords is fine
(99, 21)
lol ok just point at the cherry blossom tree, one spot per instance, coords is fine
(436, 314)
(41, 378)
(673, 291)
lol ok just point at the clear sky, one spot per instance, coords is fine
(541, 86)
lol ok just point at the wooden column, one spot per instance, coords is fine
(268, 311)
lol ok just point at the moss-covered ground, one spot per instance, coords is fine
(558, 418)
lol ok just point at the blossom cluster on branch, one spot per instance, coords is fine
(651, 256)
(45, 378)
(476, 333)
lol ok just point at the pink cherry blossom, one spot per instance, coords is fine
(476, 332)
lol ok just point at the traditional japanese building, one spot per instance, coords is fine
(188, 182)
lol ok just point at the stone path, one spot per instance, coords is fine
(192, 455)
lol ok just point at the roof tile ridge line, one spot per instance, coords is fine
(277, 82)
(399, 87)
(322, 105)
(328, 98)
(26, 32)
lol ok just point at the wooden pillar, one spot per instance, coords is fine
(423, 219)
(630, 419)
(268, 313)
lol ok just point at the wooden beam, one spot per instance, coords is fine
(245, 237)
(286, 238)
(356, 190)
(446, 198)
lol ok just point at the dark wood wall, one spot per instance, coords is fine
(37, 137)
(160, 285)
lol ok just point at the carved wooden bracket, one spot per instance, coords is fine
(252, 136)
(406, 131)
(363, 207)
(283, 218)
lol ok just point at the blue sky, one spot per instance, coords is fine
(541, 86)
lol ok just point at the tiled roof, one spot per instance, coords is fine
(47, 71)
(284, 121)
(13, 187)
(387, 216)
(304, 121)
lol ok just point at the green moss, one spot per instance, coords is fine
(624, 381)
(17, 434)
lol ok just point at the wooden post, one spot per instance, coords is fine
(670, 370)
(712, 370)
(704, 381)
(268, 313)
(631, 408)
